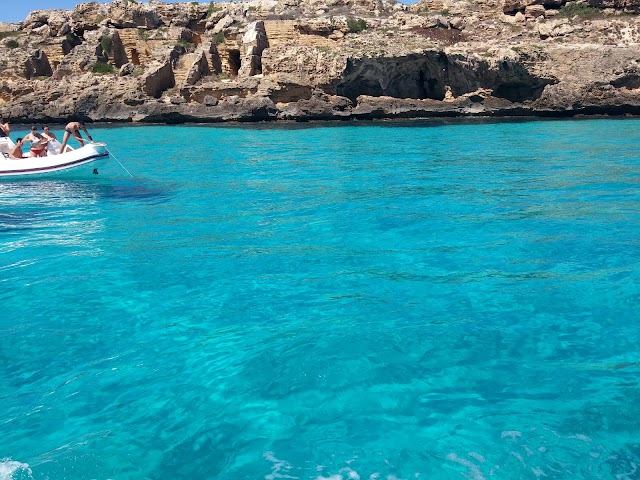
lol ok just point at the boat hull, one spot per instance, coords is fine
(83, 161)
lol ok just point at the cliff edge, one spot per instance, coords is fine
(321, 59)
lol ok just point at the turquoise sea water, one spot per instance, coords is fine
(381, 301)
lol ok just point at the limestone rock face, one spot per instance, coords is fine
(302, 65)
(254, 42)
(319, 59)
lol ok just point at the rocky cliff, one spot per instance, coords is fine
(321, 59)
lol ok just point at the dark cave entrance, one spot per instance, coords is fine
(234, 61)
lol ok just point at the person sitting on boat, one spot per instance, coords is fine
(16, 152)
(53, 145)
(4, 128)
(38, 143)
(73, 129)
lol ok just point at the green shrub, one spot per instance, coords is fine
(11, 44)
(218, 38)
(213, 8)
(143, 34)
(183, 43)
(106, 42)
(4, 35)
(102, 68)
(356, 25)
(578, 9)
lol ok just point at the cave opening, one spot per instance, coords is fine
(630, 82)
(234, 62)
(517, 91)
(135, 57)
(421, 91)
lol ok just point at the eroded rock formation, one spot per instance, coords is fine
(317, 59)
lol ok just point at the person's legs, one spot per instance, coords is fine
(65, 139)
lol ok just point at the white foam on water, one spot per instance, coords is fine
(513, 434)
(351, 474)
(630, 475)
(477, 456)
(474, 471)
(278, 469)
(537, 471)
(518, 456)
(580, 437)
(10, 469)
(282, 469)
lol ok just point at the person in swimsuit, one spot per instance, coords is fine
(17, 150)
(53, 145)
(38, 143)
(73, 130)
(4, 128)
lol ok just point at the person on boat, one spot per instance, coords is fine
(4, 128)
(53, 145)
(38, 143)
(73, 130)
(48, 134)
(16, 152)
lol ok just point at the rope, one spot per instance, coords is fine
(114, 157)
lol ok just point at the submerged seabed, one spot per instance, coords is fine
(377, 301)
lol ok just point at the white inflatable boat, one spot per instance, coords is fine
(84, 160)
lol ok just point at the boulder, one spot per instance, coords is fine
(315, 26)
(223, 23)
(126, 69)
(35, 19)
(158, 79)
(87, 16)
(210, 101)
(199, 69)
(513, 6)
(319, 107)
(534, 11)
(555, 28)
(215, 17)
